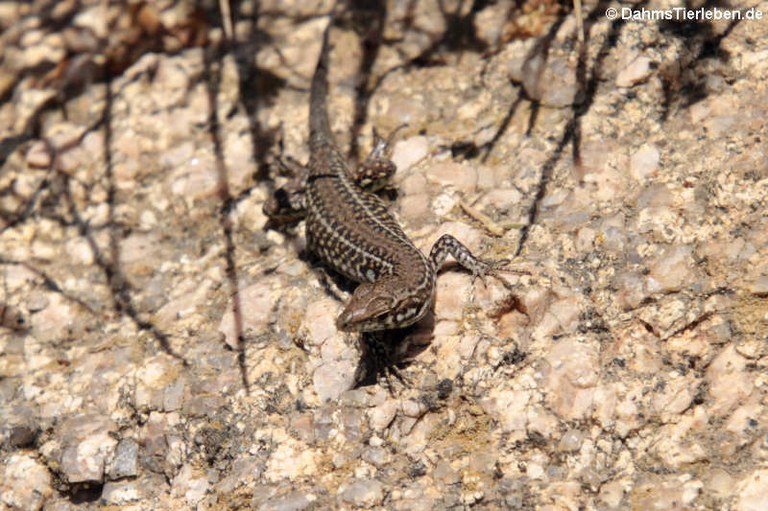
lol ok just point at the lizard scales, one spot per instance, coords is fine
(353, 233)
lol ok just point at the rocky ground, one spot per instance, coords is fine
(162, 349)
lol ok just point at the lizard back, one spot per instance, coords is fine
(349, 228)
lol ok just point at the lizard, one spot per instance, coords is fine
(352, 231)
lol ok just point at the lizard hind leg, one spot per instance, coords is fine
(288, 203)
(377, 169)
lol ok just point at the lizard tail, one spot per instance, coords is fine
(319, 126)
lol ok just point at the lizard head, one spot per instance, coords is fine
(380, 306)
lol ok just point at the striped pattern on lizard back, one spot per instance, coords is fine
(353, 232)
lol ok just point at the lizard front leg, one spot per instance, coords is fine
(448, 245)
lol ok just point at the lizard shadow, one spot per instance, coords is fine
(382, 353)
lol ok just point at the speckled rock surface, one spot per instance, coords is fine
(161, 349)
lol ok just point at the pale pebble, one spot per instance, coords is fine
(759, 286)
(675, 397)
(364, 492)
(187, 296)
(85, 461)
(753, 491)
(631, 289)
(409, 152)
(551, 81)
(572, 380)
(644, 162)
(671, 269)
(198, 179)
(25, 482)
(191, 484)
(121, 493)
(677, 445)
(382, 415)
(462, 176)
(291, 459)
(320, 320)
(729, 381)
(635, 72)
(54, 321)
(720, 482)
(510, 408)
(38, 155)
(500, 198)
(570, 441)
(255, 302)
(612, 493)
(668, 493)
(331, 379)
(416, 209)
(139, 248)
(452, 293)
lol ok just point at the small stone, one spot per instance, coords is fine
(570, 441)
(292, 459)
(319, 320)
(190, 484)
(720, 483)
(197, 179)
(256, 303)
(453, 289)
(118, 493)
(462, 176)
(93, 19)
(54, 321)
(551, 81)
(377, 456)
(444, 474)
(152, 380)
(410, 151)
(415, 209)
(644, 162)
(669, 493)
(365, 492)
(303, 426)
(501, 199)
(612, 493)
(404, 109)
(294, 501)
(759, 286)
(729, 381)
(383, 415)
(332, 379)
(753, 492)
(38, 156)
(22, 436)
(630, 288)
(510, 408)
(25, 483)
(173, 396)
(672, 269)
(573, 377)
(140, 249)
(125, 462)
(637, 71)
(85, 461)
